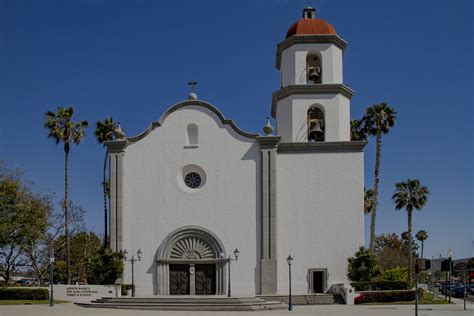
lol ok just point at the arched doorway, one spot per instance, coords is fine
(189, 263)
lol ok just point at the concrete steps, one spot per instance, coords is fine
(186, 303)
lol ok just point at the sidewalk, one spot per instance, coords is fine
(323, 310)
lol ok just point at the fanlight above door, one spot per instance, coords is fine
(191, 248)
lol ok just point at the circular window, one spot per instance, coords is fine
(192, 180)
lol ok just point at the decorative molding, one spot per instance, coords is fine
(308, 39)
(189, 232)
(268, 142)
(309, 89)
(321, 147)
(191, 248)
(182, 104)
(116, 146)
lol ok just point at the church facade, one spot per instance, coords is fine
(194, 187)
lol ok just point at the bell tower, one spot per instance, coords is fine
(313, 104)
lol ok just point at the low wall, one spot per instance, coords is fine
(346, 292)
(84, 293)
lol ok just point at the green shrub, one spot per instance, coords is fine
(380, 285)
(395, 274)
(23, 294)
(388, 296)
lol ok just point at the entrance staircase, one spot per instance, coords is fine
(175, 303)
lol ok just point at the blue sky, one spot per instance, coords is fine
(133, 59)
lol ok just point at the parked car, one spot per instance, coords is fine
(458, 291)
(25, 282)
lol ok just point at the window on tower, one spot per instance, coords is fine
(313, 68)
(316, 125)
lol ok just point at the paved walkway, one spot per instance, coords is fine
(323, 310)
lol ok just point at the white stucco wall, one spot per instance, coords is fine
(291, 116)
(320, 214)
(154, 204)
(293, 63)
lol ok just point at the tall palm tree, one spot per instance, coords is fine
(378, 120)
(64, 130)
(104, 131)
(368, 201)
(410, 195)
(422, 235)
(358, 132)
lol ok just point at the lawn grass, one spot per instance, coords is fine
(427, 300)
(28, 302)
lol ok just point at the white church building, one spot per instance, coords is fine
(193, 187)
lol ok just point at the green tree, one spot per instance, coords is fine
(422, 235)
(391, 251)
(368, 201)
(363, 266)
(410, 195)
(105, 267)
(106, 130)
(84, 245)
(358, 132)
(378, 120)
(23, 219)
(63, 129)
(395, 274)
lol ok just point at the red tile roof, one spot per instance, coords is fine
(310, 27)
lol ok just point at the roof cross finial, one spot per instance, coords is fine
(192, 95)
(192, 83)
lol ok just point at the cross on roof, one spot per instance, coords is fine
(192, 84)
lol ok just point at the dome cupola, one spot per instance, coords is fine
(310, 25)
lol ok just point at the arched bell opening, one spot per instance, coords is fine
(316, 124)
(313, 68)
(189, 262)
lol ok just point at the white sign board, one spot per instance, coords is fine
(85, 293)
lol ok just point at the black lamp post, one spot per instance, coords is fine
(229, 259)
(132, 261)
(51, 276)
(290, 303)
(450, 257)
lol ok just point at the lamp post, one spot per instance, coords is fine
(290, 303)
(229, 259)
(132, 261)
(450, 257)
(51, 276)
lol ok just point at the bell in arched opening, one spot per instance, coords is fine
(315, 123)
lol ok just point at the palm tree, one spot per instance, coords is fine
(106, 130)
(358, 130)
(64, 130)
(422, 235)
(368, 201)
(378, 120)
(410, 195)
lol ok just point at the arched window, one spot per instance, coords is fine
(316, 125)
(313, 68)
(192, 135)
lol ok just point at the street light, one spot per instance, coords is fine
(289, 260)
(450, 257)
(132, 261)
(229, 259)
(51, 276)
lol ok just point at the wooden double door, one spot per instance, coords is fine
(185, 281)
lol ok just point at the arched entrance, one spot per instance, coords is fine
(188, 263)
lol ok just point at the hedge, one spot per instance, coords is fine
(23, 294)
(381, 285)
(388, 296)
